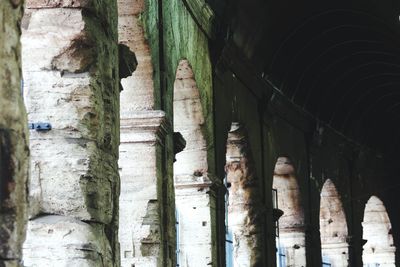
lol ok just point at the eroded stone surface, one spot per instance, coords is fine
(191, 173)
(379, 247)
(70, 65)
(138, 93)
(57, 3)
(13, 139)
(244, 212)
(143, 235)
(333, 227)
(140, 219)
(65, 241)
(292, 238)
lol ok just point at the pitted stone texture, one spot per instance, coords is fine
(333, 227)
(70, 63)
(57, 3)
(140, 226)
(291, 239)
(294, 247)
(189, 120)
(244, 210)
(194, 226)
(191, 173)
(289, 199)
(13, 139)
(68, 169)
(140, 230)
(379, 249)
(138, 89)
(65, 241)
(63, 156)
(45, 39)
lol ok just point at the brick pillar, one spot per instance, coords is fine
(70, 67)
(14, 149)
(244, 206)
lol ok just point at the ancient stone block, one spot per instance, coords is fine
(140, 218)
(244, 212)
(65, 241)
(14, 149)
(57, 3)
(70, 65)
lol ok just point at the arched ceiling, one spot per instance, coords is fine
(339, 61)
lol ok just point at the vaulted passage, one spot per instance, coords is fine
(195, 133)
(379, 249)
(333, 227)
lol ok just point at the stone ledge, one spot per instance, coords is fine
(57, 3)
(144, 126)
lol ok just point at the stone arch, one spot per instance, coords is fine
(244, 220)
(333, 227)
(138, 93)
(191, 180)
(379, 249)
(146, 216)
(291, 242)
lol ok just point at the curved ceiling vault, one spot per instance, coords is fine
(342, 65)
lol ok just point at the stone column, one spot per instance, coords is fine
(292, 236)
(14, 149)
(333, 227)
(379, 248)
(146, 203)
(142, 137)
(244, 206)
(191, 176)
(70, 67)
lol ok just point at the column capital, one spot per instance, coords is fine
(150, 126)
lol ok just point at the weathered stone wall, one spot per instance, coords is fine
(147, 220)
(234, 102)
(245, 214)
(292, 239)
(191, 177)
(14, 149)
(179, 37)
(141, 237)
(70, 67)
(71, 81)
(318, 153)
(333, 227)
(377, 232)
